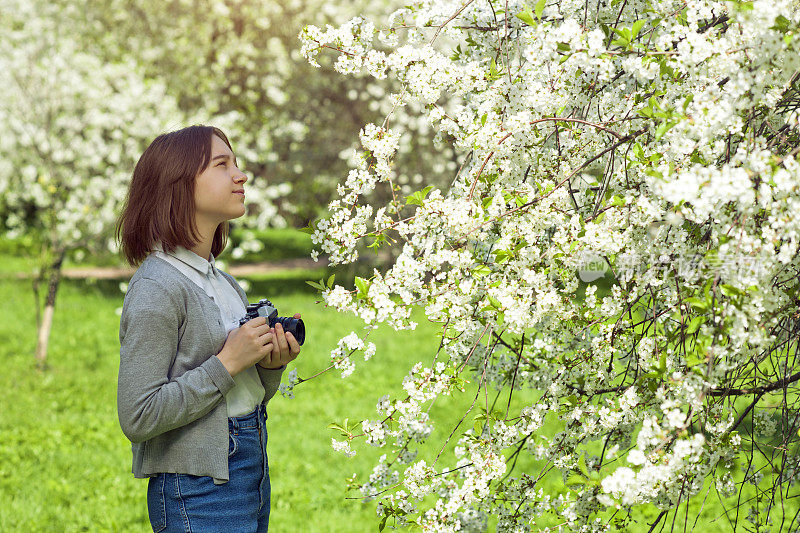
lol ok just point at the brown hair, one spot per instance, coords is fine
(160, 203)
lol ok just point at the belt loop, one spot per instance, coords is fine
(235, 424)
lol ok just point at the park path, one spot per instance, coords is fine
(235, 270)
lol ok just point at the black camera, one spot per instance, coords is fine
(265, 308)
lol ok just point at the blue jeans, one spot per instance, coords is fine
(194, 504)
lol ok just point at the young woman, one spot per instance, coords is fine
(193, 385)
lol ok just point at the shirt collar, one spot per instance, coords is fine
(190, 258)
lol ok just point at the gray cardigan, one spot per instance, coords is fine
(171, 384)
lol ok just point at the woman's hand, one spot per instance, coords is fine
(284, 348)
(246, 345)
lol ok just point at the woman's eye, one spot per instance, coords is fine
(222, 163)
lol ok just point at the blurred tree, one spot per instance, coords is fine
(73, 124)
(237, 63)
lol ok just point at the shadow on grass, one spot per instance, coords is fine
(279, 286)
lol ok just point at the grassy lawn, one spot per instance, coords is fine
(65, 464)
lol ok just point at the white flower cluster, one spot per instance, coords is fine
(286, 387)
(340, 356)
(342, 446)
(664, 479)
(608, 140)
(382, 477)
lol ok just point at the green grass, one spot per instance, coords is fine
(279, 243)
(65, 465)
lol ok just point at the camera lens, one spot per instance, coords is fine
(294, 326)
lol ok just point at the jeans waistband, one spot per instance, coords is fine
(251, 420)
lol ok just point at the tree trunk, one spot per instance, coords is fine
(54, 277)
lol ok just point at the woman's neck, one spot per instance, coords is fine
(203, 246)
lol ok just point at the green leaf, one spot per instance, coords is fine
(310, 229)
(330, 281)
(526, 16)
(624, 37)
(730, 290)
(695, 358)
(481, 271)
(316, 285)
(699, 304)
(539, 8)
(575, 480)
(363, 286)
(502, 256)
(380, 238)
(663, 128)
(636, 28)
(782, 24)
(417, 197)
(582, 466)
(570, 400)
(343, 428)
(695, 324)
(493, 71)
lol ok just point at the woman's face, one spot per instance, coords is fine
(219, 189)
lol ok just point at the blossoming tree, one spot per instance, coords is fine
(618, 249)
(238, 63)
(72, 128)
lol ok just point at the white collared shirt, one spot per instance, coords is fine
(248, 391)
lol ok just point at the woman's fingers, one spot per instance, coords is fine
(281, 338)
(294, 346)
(282, 347)
(257, 321)
(267, 338)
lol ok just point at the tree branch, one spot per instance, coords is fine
(756, 390)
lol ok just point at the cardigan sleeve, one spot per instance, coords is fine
(270, 379)
(148, 403)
